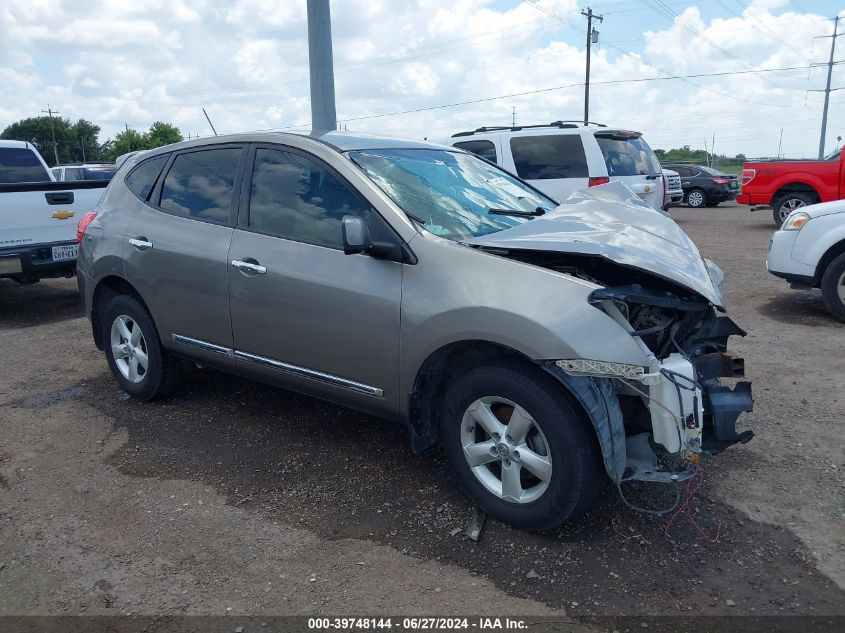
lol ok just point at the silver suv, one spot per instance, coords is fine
(547, 347)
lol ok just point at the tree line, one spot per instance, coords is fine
(80, 141)
(697, 157)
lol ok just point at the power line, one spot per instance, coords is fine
(759, 26)
(544, 90)
(661, 8)
(623, 52)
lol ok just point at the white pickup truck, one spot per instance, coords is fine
(38, 216)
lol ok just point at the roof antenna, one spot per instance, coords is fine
(209, 122)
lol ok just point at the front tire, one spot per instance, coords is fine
(139, 363)
(520, 450)
(833, 287)
(696, 199)
(788, 202)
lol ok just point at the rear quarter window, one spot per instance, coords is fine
(200, 184)
(549, 156)
(20, 164)
(485, 149)
(142, 178)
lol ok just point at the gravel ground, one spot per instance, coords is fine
(234, 497)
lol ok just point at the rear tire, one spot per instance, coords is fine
(833, 287)
(696, 199)
(548, 437)
(788, 202)
(139, 363)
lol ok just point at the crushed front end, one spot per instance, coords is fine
(674, 407)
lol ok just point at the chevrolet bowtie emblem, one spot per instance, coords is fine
(62, 215)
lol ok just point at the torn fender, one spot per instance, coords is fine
(597, 397)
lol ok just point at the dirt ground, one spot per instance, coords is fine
(236, 498)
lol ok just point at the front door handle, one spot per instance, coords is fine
(247, 267)
(141, 243)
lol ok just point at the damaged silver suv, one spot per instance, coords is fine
(546, 346)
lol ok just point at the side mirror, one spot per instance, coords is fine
(356, 235)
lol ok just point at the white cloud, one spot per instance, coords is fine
(246, 62)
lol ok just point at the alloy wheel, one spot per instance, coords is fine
(506, 449)
(695, 199)
(789, 206)
(129, 348)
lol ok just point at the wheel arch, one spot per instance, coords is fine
(795, 186)
(593, 397)
(108, 288)
(830, 254)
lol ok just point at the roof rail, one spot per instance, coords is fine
(517, 128)
(579, 122)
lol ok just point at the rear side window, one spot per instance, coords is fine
(98, 173)
(73, 173)
(19, 164)
(485, 149)
(549, 156)
(142, 179)
(199, 185)
(296, 198)
(628, 156)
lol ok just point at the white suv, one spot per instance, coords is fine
(808, 251)
(565, 156)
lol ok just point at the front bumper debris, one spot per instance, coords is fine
(722, 406)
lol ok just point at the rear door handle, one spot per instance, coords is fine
(247, 267)
(141, 243)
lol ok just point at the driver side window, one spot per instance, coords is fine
(296, 198)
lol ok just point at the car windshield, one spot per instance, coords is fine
(451, 193)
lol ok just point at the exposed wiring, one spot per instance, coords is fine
(649, 510)
(693, 486)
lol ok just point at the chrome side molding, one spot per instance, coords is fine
(204, 345)
(296, 370)
(310, 373)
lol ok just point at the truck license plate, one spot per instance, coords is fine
(63, 253)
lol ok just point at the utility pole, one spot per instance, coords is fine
(49, 111)
(713, 150)
(780, 141)
(82, 144)
(827, 87)
(513, 117)
(592, 38)
(128, 142)
(321, 65)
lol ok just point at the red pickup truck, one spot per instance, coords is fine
(786, 185)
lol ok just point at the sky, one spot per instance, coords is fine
(430, 68)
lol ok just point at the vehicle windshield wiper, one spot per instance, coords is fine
(415, 218)
(519, 212)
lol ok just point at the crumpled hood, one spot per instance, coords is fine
(612, 222)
